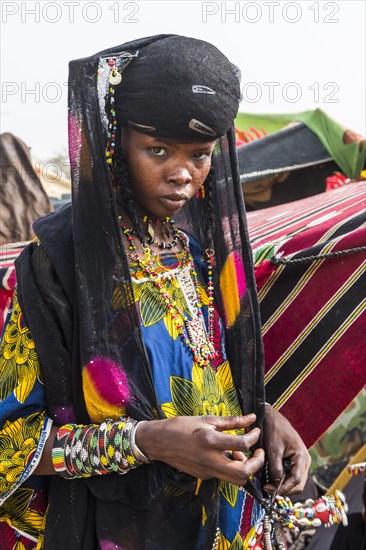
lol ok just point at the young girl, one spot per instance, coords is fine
(133, 346)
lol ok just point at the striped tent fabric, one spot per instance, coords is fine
(8, 253)
(310, 258)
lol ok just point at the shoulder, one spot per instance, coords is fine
(51, 254)
(54, 231)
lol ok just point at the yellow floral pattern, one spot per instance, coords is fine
(20, 435)
(16, 513)
(19, 364)
(208, 393)
(18, 442)
(237, 544)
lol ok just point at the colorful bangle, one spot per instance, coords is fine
(79, 451)
(94, 455)
(119, 462)
(84, 450)
(59, 450)
(126, 444)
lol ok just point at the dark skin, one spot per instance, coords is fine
(164, 175)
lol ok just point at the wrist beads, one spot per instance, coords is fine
(97, 449)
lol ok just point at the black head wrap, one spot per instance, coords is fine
(66, 290)
(180, 88)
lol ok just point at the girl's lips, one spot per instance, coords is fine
(176, 197)
(173, 203)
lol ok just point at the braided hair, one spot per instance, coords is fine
(124, 191)
(210, 208)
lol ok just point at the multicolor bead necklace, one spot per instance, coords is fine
(167, 225)
(202, 348)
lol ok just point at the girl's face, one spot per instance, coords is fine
(165, 174)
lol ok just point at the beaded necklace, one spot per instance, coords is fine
(191, 331)
(167, 225)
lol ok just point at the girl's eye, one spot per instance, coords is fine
(158, 151)
(202, 156)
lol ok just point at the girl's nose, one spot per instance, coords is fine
(179, 175)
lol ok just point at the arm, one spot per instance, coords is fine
(194, 445)
(45, 466)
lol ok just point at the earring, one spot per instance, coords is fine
(200, 193)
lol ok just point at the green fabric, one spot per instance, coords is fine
(344, 438)
(350, 157)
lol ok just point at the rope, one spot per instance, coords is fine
(316, 258)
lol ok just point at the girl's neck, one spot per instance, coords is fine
(156, 233)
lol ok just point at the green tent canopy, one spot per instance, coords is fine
(346, 147)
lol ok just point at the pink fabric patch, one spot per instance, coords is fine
(109, 380)
(108, 545)
(240, 275)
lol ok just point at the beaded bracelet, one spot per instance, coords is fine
(85, 450)
(61, 449)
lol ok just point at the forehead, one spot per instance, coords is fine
(138, 138)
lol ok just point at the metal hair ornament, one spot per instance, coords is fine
(115, 77)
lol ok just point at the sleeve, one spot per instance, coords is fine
(24, 425)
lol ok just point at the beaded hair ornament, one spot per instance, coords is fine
(116, 65)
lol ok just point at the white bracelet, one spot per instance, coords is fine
(137, 453)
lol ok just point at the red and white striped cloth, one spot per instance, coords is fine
(313, 311)
(8, 254)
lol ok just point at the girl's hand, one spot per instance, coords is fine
(283, 442)
(197, 446)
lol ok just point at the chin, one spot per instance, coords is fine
(161, 211)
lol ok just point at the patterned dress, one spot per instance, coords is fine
(183, 389)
